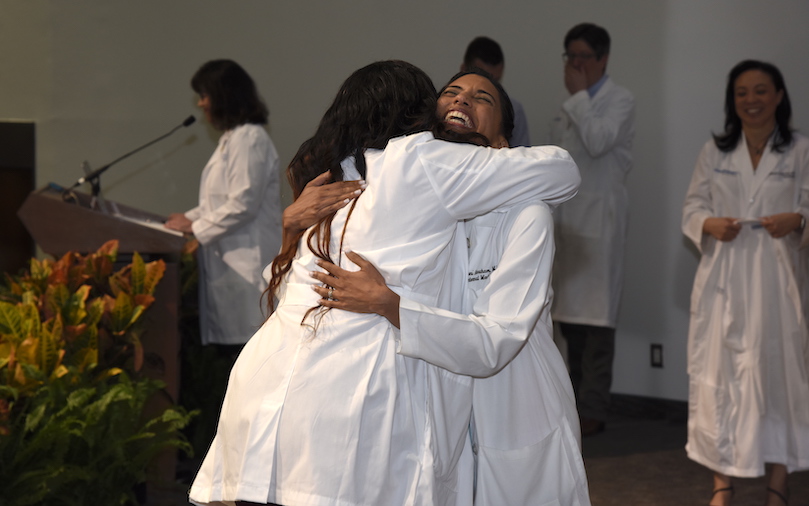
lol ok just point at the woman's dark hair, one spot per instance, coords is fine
(729, 139)
(232, 92)
(376, 103)
(380, 101)
(506, 110)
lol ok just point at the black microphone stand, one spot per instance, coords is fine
(93, 177)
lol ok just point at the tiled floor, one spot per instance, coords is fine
(638, 461)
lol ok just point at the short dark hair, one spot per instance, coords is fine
(728, 140)
(484, 49)
(232, 92)
(595, 37)
(506, 108)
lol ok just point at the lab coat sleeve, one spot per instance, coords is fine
(698, 203)
(472, 180)
(193, 214)
(802, 208)
(521, 135)
(247, 172)
(505, 312)
(601, 129)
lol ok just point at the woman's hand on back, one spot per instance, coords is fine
(362, 291)
(319, 198)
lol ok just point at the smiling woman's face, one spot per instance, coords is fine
(756, 99)
(471, 103)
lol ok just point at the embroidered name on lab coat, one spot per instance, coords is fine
(481, 274)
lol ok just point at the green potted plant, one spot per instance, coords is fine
(72, 423)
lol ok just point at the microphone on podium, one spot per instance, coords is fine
(93, 176)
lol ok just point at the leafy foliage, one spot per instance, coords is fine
(72, 424)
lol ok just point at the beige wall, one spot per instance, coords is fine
(101, 77)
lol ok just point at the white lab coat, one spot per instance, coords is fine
(521, 135)
(748, 338)
(526, 426)
(591, 229)
(238, 226)
(336, 416)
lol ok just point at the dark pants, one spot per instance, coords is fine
(590, 351)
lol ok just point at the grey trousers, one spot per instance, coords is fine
(590, 351)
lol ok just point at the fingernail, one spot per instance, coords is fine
(346, 201)
(357, 192)
(318, 261)
(363, 183)
(312, 274)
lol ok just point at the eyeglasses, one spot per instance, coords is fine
(567, 57)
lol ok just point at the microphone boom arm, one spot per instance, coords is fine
(93, 176)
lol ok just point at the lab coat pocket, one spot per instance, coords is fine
(542, 474)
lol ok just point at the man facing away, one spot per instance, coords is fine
(596, 125)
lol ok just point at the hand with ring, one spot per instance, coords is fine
(362, 291)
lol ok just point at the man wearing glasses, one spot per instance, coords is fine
(596, 125)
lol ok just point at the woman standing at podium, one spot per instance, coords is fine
(238, 219)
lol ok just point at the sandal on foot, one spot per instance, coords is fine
(778, 494)
(726, 489)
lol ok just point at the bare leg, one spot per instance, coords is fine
(723, 490)
(777, 491)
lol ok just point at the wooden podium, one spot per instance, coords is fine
(62, 221)
(75, 222)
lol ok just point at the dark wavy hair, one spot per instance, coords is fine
(729, 139)
(506, 110)
(376, 103)
(232, 92)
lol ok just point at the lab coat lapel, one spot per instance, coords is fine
(752, 180)
(740, 158)
(769, 160)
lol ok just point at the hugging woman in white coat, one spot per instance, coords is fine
(320, 408)
(748, 341)
(238, 219)
(525, 425)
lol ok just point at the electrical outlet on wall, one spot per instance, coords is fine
(657, 355)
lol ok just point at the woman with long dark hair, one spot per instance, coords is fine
(320, 408)
(745, 211)
(238, 219)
